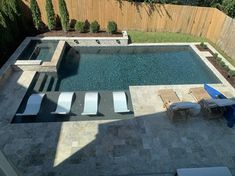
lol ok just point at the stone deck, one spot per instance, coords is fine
(146, 101)
(149, 144)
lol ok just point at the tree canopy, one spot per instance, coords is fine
(50, 15)
(11, 26)
(227, 6)
(36, 14)
(64, 15)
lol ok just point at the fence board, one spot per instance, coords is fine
(172, 18)
(199, 21)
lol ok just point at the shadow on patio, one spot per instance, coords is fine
(146, 145)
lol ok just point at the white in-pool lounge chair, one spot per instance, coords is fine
(120, 102)
(64, 103)
(90, 103)
(33, 105)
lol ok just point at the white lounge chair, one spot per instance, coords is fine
(64, 103)
(90, 103)
(33, 105)
(120, 102)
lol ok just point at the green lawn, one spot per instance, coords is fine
(161, 37)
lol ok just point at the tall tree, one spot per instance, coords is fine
(12, 27)
(50, 15)
(64, 15)
(228, 7)
(36, 14)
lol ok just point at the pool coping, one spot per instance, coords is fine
(90, 41)
(7, 68)
(124, 36)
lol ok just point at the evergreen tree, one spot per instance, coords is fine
(50, 15)
(228, 7)
(35, 13)
(64, 15)
(11, 27)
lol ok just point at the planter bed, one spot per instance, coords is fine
(221, 69)
(204, 49)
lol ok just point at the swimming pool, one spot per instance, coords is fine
(39, 50)
(117, 68)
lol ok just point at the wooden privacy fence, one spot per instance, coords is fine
(199, 21)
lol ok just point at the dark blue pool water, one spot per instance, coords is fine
(39, 50)
(116, 68)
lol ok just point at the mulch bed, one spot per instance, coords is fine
(73, 33)
(224, 72)
(204, 49)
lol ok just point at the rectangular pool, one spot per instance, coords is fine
(39, 50)
(117, 68)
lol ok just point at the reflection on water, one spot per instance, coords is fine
(115, 68)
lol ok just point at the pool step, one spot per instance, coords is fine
(54, 86)
(48, 84)
(40, 82)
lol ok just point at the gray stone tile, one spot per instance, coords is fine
(148, 145)
(177, 153)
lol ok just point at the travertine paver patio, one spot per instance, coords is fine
(144, 145)
(146, 100)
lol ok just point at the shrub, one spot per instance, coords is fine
(215, 55)
(36, 15)
(80, 26)
(72, 24)
(64, 15)
(231, 73)
(226, 68)
(94, 27)
(203, 45)
(222, 64)
(57, 21)
(177, 2)
(13, 27)
(228, 6)
(50, 15)
(218, 59)
(112, 27)
(87, 25)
